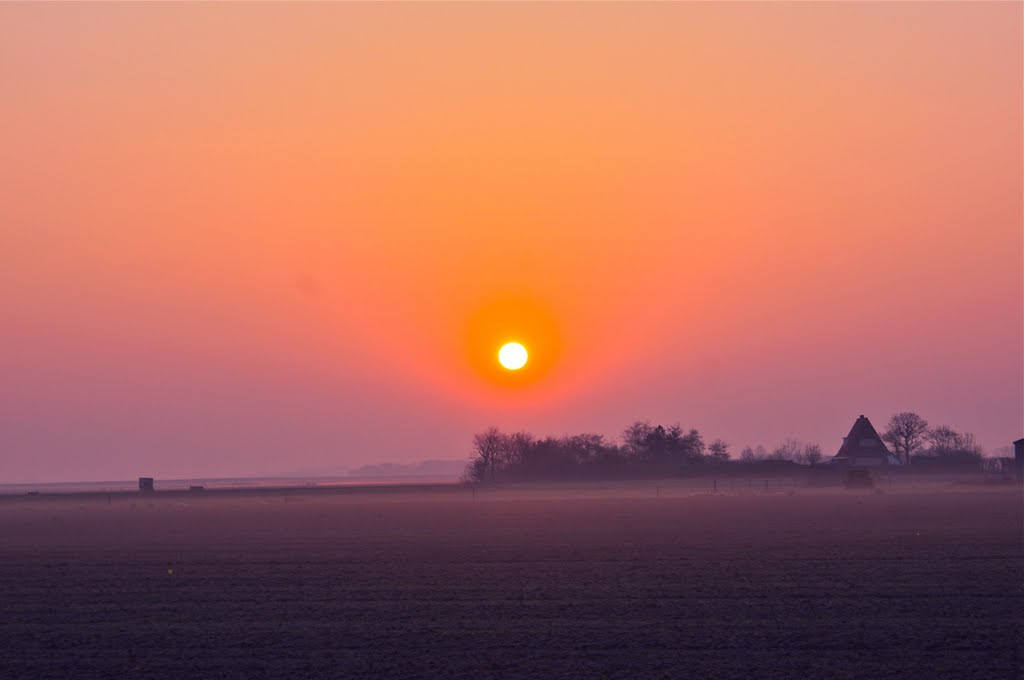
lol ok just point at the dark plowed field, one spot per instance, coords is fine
(559, 582)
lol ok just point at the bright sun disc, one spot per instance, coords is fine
(512, 356)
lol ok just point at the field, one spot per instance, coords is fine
(539, 582)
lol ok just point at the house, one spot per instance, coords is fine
(863, 447)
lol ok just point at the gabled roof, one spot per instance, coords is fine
(862, 442)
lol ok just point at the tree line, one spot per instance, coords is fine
(913, 440)
(643, 447)
(499, 455)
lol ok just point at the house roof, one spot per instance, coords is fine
(862, 442)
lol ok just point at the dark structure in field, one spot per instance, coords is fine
(863, 447)
(145, 484)
(858, 478)
(1018, 459)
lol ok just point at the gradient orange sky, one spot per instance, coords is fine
(281, 238)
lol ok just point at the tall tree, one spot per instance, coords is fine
(718, 451)
(488, 447)
(906, 432)
(635, 438)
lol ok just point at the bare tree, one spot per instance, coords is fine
(795, 450)
(790, 449)
(906, 432)
(811, 454)
(488, 448)
(947, 442)
(513, 448)
(942, 440)
(749, 455)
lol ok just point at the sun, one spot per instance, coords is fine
(512, 356)
(513, 342)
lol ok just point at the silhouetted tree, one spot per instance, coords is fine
(690, 447)
(790, 449)
(718, 451)
(752, 455)
(795, 450)
(945, 442)
(586, 448)
(906, 432)
(548, 457)
(941, 440)
(657, 445)
(512, 449)
(487, 449)
(610, 455)
(811, 455)
(660, 445)
(634, 438)
(476, 471)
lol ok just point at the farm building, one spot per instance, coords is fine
(863, 447)
(1018, 458)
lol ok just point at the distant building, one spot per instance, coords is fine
(1018, 459)
(145, 484)
(863, 447)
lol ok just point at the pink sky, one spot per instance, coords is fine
(270, 238)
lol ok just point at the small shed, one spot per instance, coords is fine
(146, 484)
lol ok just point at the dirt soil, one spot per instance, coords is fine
(540, 582)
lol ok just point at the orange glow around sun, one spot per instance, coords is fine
(512, 341)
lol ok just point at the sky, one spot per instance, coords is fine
(276, 238)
